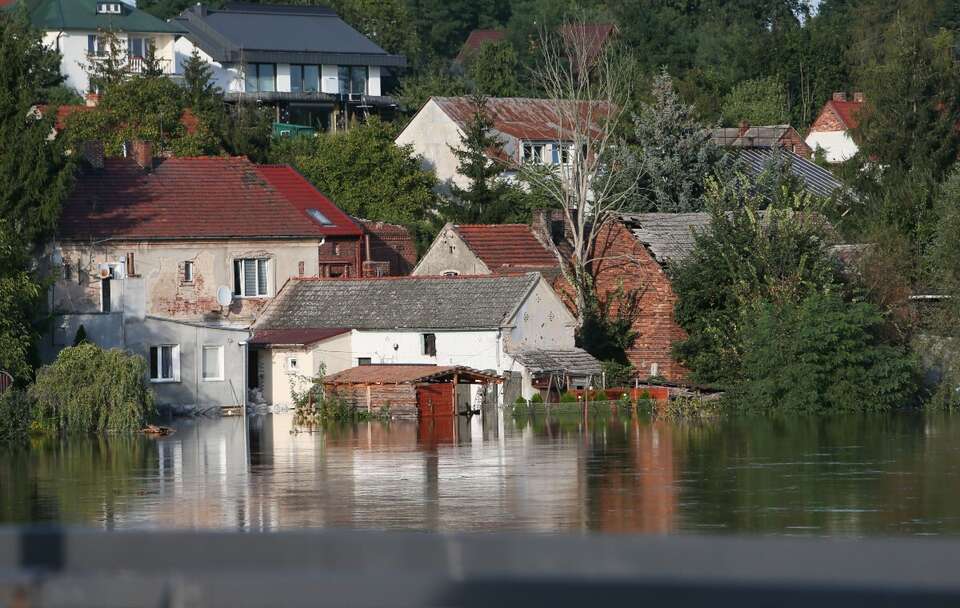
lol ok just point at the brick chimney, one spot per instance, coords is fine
(143, 153)
(742, 128)
(840, 96)
(92, 152)
(858, 97)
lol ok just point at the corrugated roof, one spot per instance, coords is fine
(403, 374)
(506, 246)
(815, 178)
(294, 34)
(765, 136)
(524, 118)
(294, 337)
(188, 198)
(428, 303)
(668, 236)
(82, 15)
(571, 361)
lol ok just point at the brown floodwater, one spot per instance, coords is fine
(895, 474)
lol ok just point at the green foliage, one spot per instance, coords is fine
(618, 374)
(436, 80)
(746, 257)
(537, 398)
(16, 415)
(81, 336)
(674, 153)
(821, 355)
(92, 390)
(21, 296)
(761, 101)
(942, 260)
(568, 397)
(110, 67)
(607, 331)
(494, 70)
(364, 172)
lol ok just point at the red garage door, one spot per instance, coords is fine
(435, 400)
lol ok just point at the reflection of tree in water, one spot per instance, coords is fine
(841, 474)
(83, 480)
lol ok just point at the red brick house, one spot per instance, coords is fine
(832, 131)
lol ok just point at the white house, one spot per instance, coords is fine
(832, 131)
(305, 61)
(529, 131)
(76, 28)
(482, 322)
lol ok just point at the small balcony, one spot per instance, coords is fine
(135, 64)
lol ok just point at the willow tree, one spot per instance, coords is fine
(588, 85)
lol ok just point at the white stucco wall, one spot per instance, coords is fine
(373, 81)
(449, 253)
(431, 133)
(332, 356)
(73, 48)
(227, 77)
(477, 349)
(837, 145)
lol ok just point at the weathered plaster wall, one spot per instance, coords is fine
(449, 253)
(477, 349)
(431, 133)
(330, 356)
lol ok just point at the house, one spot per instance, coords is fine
(832, 131)
(759, 147)
(529, 131)
(390, 245)
(414, 391)
(474, 249)
(175, 258)
(475, 41)
(770, 136)
(76, 28)
(481, 322)
(304, 61)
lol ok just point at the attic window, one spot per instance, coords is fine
(319, 217)
(109, 8)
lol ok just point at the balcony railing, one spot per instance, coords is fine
(135, 64)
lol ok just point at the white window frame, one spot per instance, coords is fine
(533, 152)
(174, 363)
(188, 271)
(243, 279)
(292, 369)
(220, 376)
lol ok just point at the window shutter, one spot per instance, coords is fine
(261, 277)
(236, 278)
(249, 277)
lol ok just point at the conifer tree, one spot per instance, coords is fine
(110, 66)
(151, 63)
(202, 94)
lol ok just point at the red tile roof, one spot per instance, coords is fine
(506, 247)
(478, 38)
(847, 111)
(291, 337)
(401, 374)
(524, 118)
(593, 35)
(189, 198)
(304, 196)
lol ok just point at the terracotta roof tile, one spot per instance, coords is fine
(304, 337)
(187, 198)
(304, 196)
(477, 39)
(506, 246)
(525, 118)
(847, 111)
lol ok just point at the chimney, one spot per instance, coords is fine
(93, 154)
(143, 154)
(858, 97)
(840, 96)
(742, 128)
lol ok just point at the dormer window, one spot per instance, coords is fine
(109, 8)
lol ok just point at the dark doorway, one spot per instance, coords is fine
(253, 369)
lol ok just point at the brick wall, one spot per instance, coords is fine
(341, 253)
(828, 121)
(622, 261)
(792, 141)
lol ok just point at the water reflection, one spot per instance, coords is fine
(611, 472)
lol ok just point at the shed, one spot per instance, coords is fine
(556, 371)
(423, 391)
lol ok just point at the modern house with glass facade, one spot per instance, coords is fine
(304, 61)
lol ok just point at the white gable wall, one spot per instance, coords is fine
(431, 133)
(449, 253)
(837, 145)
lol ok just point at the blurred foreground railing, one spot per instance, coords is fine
(341, 568)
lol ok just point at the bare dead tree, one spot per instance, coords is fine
(588, 85)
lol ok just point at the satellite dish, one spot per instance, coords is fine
(224, 296)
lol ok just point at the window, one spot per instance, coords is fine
(66, 271)
(293, 364)
(430, 345)
(109, 8)
(533, 153)
(364, 361)
(304, 78)
(138, 47)
(212, 363)
(353, 79)
(188, 272)
(564, 155)
(250, 278)
(260, 77)
(165, 363)
(105, 295)
(319, 217)
(96, 45)
(451, 273)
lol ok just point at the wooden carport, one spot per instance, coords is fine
(423, 391)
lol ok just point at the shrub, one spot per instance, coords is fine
(92, 390)
(520, 401)
(568, 397)
(15, 415)
(537, 398)
(618, 374)
(821, 355)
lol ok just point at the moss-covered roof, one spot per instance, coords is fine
(82, 15)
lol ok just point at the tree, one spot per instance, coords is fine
(364, 172)
(493, 70)
(151, 66)
(20, 299)
(674, 153)
(109, 67)
(747, 256)
(389, 23)
(822, 354)
(587, 92)
(760, 101)
(202, 94)
(436, 80)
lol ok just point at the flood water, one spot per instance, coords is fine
(851, 476)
